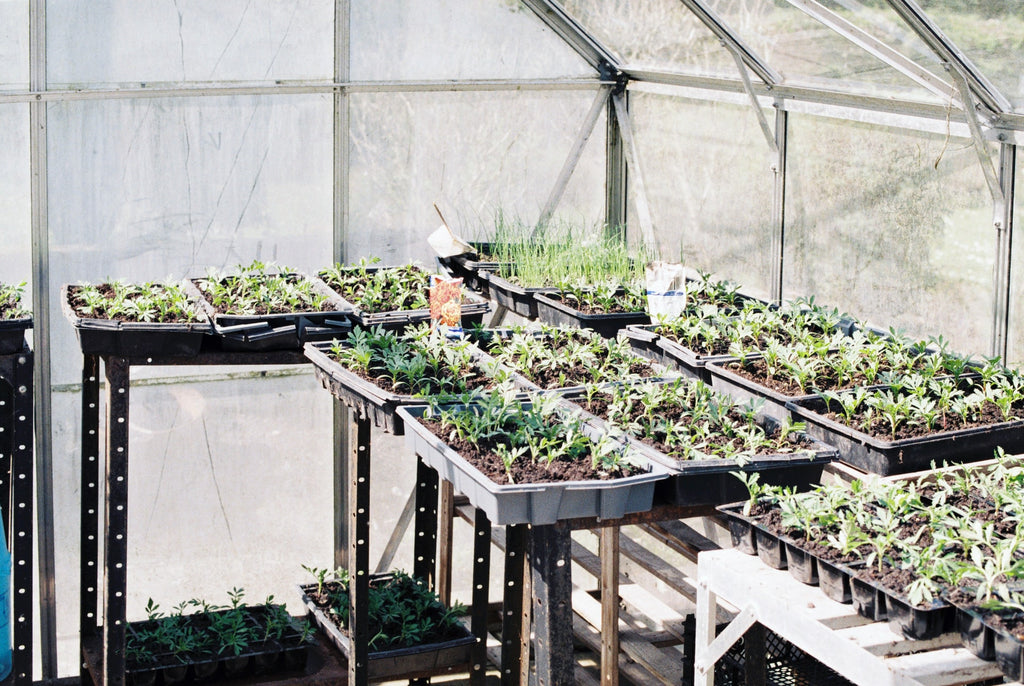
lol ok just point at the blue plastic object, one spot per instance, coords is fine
(5, 606)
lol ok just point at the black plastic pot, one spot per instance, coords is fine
(834, 581)
(802, 565)
(551, 310)
(885, 457)
(12, 334)
(741, 531)
(976, 636)
(918, 623)
(868, 601)
(518, 299)
(135, 339)
(770, 549)
(1009, 655)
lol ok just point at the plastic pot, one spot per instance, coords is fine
(834, 581)
(801, 564)
(976, 636)
(770, 549)
(918, 623)
(867, 600)
(12, 334)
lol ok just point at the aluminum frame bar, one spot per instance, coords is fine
(948, 52)
(573, 33)
(769, 135)
(1002, 281)
(733, 42)
(875, 47)
(643, 210)
(572, 160)
(981, 147)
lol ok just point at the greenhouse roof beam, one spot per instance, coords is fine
(586, 129)
(762, 120)
(876, 48)
(949, 53)
(733, 42)
(643, 209)
(559, 21)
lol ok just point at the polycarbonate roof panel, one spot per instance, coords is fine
(656, 34)
(991, 35)
(809, 53)
(456, 39)
(13, 44)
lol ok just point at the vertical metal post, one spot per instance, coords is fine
(90, 524)
(516, 541)
(608, 550)
(19, 526)
(425, 525)
(115, 537)
(615, 175)
(779, 204)
(359, 554)
(1004, 251)
(41, 341)
(552, 605)
(481, 578)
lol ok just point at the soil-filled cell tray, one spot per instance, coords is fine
(469, 267)
(742, 389)
(551, 310)
(530, 503)
(646, 341)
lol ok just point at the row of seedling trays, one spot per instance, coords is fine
(255, 307)
(938, 554)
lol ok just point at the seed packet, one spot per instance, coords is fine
(445, 302)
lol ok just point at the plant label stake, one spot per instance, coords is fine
(444, 241)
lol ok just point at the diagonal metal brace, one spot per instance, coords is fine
(972, 114)
(741, 66)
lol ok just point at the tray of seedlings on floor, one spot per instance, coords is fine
(605, 308)
(555, 360)
(468, 266)
(196, 642)
(126, 319)
(262, 307)
(377, 370)
(933, 415)
(705, 438)
(392, 297)
(14, 318)
(780, 374)
(412, 634)
(692, 342)
(531, 462)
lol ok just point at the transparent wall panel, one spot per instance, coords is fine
(230, 484)
(151, 188)
(455, 39)
(991, 34)
(15, 195)
(133, 42)
(807, 52)
(705, 167)
(656, 34)
(475, 154)
(892, 226)
(14, 45)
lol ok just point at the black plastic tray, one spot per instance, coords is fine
(469, 267)
(12, 334)
(136, 339)
(884, 457)
(743, 389)
(647, 342)
(517, 299)
(557, 313)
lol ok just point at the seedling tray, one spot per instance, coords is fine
(366, 397)
(712, 481)
(557, 313)
(474, 307)
(12, 334)
(653, 345)
(886, 457)
(417, 662)
(468, 266)
(538, 504)
(517, 299)
(136, 339)
(285, 331)
(743, 389)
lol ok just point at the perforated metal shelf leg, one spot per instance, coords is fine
(552, 610)
(90, 527)
(359, 552)
(115, 538)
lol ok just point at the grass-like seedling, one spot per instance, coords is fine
(10, 301)
(261, 289)
(405, 287)
(603, 298)
(402, 612)
(147, 302)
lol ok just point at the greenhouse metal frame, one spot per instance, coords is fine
(946, 94)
